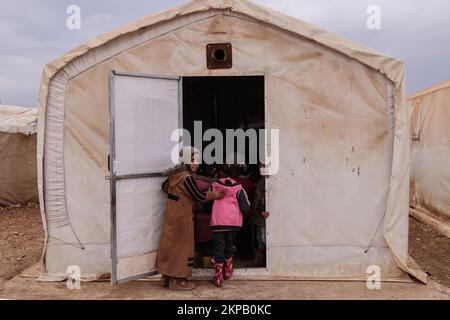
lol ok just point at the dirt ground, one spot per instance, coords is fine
(21, 241)
(431, 250)
(20, 288)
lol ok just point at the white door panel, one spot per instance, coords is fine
(145, 110)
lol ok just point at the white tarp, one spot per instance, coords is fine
(430, 156)
(18, 168)
(340, 201)
(15, 119)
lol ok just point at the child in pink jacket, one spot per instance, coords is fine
(226, 221)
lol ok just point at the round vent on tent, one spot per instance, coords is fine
(219, 56)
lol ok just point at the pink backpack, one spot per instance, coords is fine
(226, 213)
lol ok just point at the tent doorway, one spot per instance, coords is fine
(227, 102)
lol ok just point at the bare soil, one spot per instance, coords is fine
(21, 242)
(21, 239)
(431, 250)
(20, 288)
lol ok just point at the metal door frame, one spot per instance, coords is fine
(113, 178)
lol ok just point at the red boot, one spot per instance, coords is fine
(228, 269)
(218, 278)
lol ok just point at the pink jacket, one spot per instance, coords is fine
(227, 213)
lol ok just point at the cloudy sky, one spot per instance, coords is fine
(34, 32)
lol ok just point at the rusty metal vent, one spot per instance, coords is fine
(219, 56)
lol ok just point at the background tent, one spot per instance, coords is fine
(340, 200)
(430, 156)
(18, 176)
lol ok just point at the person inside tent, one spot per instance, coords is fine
(175, 258)
(259, 217)
(244, 239)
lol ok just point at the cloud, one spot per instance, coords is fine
(414, 31)
(33, 33)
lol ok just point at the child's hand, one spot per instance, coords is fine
(219, 195)
(265, 215)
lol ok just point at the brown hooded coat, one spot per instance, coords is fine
(176, 251)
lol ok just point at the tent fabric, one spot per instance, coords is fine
(18, 167)
(295, 58)
(440, 86)
(430, 156)
(15, 119)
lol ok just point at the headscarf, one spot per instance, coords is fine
(186, 155)
(184, 161)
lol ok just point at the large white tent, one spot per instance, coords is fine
(18, 170)
(340, 200)
(430, 156)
